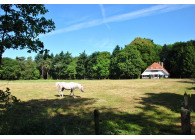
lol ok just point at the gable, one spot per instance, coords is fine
(155, 67)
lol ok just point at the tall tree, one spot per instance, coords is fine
(10, 69)
(98, 65)
(60, 64)
(44, 64)
(114, 71)
(165, 52)
(182, 59)
(147, 49)
(39, 59)
(47, 66)
(71, 69)
(81, 67)
(30, 71)
(91, 69)
(129, 62)
(189, 60)
(103, 65)
(21, 25)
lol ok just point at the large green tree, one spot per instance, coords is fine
(81, 67)
(44, 64)
(129, 62)
(181, 60)
(10, 69)
(103, 64)
(98, 65)
(21, 25)
(71, 69)
(114, 71)
(92, 61)
(30, 71)
(60, 64)
(40, 63)
(147, 49)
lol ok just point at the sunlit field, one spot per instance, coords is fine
(130, 107)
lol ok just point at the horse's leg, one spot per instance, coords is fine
(70, 92)
(73, 91)
(62, 92)
(59, 93)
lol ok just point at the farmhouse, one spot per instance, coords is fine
(155, 71)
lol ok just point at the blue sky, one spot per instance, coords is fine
(100, 27)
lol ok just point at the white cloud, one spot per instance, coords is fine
(175, 7)
(157, 9)
(105, 43)
(103, 11)
(79, 20)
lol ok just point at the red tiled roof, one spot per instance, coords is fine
(156, 66)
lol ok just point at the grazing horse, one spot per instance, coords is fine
(68, 86)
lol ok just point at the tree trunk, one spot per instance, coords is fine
(47, 74)
(2, 50)
(0, 59)
(2, 47)
(42, 70)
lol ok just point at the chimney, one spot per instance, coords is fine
(162, 65)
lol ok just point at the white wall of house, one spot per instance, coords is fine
(154, 74)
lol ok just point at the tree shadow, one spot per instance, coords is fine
(191, 88)
(172, 101)
(116, 123)
(169, 100)
(191, 82)
(152, 119)
(52, 117)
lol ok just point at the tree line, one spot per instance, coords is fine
(123, 63)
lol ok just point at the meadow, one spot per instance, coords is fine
(127, 107)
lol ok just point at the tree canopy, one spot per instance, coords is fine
(123, 63)
(147, 49)
(21, 25)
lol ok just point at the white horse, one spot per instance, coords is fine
(68, 86)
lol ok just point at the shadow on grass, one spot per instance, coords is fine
(191, 82)
(68, 96)
(160, 115)
(74, 116)
(57, 116)
(172, 101)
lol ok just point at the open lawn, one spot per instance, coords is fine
(128, 107)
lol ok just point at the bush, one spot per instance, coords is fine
(7, 98)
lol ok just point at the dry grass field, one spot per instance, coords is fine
(130, 107)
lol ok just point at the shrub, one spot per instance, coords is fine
(7, 98)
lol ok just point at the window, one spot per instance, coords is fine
(154, 71)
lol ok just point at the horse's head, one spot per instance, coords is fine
(81, 88)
